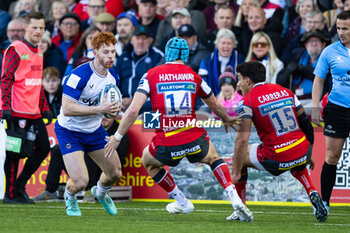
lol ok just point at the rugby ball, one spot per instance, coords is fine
(113, 94)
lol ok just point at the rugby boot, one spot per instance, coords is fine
(244, 214)
(106, 202)
(320, 208)
(72, 208)
(176, 208)
(234, 216)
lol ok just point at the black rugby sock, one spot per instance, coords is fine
(328, 175)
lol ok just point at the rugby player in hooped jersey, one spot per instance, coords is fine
(78, 127)
(173, 96)
(283, 127)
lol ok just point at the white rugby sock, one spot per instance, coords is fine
(69, 195)
(101, 191)
(178, 196)
(233, 195)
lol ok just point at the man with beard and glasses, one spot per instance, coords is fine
(15, 31)
(78, 127)
(298, 75)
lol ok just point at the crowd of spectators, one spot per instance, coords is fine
(286, 36)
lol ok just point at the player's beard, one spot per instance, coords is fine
(105, 63)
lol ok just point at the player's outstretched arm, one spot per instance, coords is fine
(241, 149)
(128, 119)
(317, 89)
(71, 108)
(219, 110)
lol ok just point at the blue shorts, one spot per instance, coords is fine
(71, 141)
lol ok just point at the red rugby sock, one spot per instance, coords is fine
(304, 178)
(222, 173)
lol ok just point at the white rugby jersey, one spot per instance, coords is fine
(83, 86)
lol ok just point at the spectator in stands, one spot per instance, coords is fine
(298, 75)
(53, 89)
(270, 9)
(4, 20)
(261, 50)
(258, 22)
(223, 18)
(331, 15)
(44, 6)
(163, 8)
(242, 14)
(76, 7)
(105, 22)
(148, 15)
(53, 56)
(210, 13)
(346, 5)
(114, 7)
(135, 61)
(229, 96)
(56, 166)
(215, 63)
(94, 8)
(197, 21)
(297, 26)
(126, 23)
(26, 6)
(314, 20)
(179, 18)
(58, 9)
(15, 31)
(84, 51)
(197, 50)
(69, 36)
(71, 4)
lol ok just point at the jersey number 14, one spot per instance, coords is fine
(178, 103)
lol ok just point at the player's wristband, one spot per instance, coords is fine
(118, 136)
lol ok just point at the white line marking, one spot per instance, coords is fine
(154, 209)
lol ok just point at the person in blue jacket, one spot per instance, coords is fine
(224, 54)
(135, 61)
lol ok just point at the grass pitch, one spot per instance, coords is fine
(152, 217)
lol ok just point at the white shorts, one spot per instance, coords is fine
(253, 156)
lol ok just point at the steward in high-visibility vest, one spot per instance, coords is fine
(26, 87)
(23, 104)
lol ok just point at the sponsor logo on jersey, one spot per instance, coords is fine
(178, 86)
(294, 163)
(284, 144)
(90, 102)
(266, 108)
(188, 151)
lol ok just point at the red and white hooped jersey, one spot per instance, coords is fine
(273, 108)
(173, 89)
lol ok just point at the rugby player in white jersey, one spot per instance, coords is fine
(78, 127)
